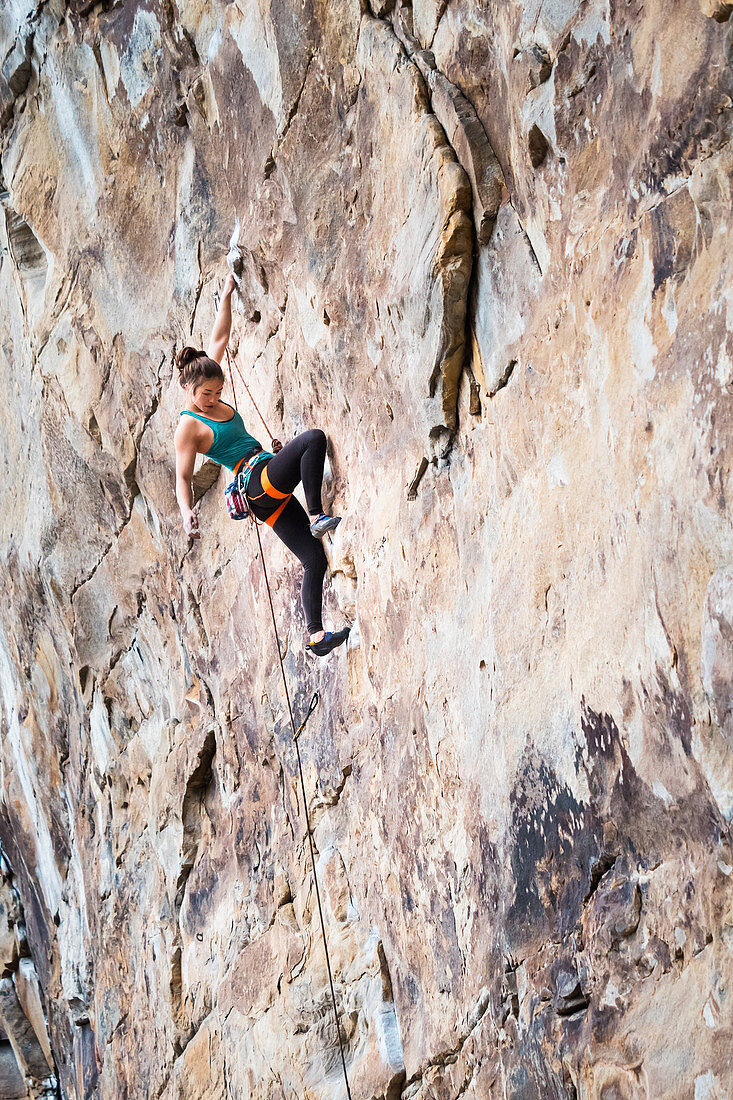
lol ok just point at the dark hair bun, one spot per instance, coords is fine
(195, 367)
(186, 356)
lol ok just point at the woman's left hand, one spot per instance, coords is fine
(276, 446)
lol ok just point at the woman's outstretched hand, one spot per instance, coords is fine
(276, 446)
(229, 286)
(191, 525)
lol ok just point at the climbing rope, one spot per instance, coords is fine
(296, 734)
(233, 359)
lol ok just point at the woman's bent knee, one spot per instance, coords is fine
(316, 437)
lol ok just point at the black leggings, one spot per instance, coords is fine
(301, 460)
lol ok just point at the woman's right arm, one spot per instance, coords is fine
(185, 461)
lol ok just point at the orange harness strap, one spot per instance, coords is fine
(270, 488)
(273, 492)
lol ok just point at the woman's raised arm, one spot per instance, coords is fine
(223, 324)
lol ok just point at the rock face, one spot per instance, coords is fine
(488, 249)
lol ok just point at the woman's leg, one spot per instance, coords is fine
(301, 460)
(292, 527)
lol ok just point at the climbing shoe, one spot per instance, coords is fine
(324, 524)
(328, 642)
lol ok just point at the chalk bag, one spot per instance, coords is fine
(236, 499)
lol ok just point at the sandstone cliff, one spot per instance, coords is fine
(487, 249)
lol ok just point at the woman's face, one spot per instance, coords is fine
(207, 394)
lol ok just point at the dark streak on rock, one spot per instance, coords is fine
(296, 102)
(555, 838)
(504, 378)
(419, 474)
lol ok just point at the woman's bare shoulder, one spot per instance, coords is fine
(188, 430)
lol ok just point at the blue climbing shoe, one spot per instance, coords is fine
(328, 642)
(324, 524)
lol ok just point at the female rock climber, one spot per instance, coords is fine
(211, 427)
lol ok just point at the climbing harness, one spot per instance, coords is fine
(270, 491)
(235, 494)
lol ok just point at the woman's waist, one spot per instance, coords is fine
(250, 460)
(233, 454)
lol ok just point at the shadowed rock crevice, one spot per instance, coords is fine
(25, 1050)
(538, 146)
(28, 258)
(193, 810)
(468, 140)
(454, 253)
(16, 71)
(719, 10)
(25, 248)
(196, 825)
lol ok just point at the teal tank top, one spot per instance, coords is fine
(232, 441)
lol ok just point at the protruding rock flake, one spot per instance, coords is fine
(486, 248)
